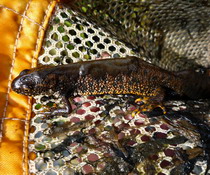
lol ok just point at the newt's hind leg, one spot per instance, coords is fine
(148, 103)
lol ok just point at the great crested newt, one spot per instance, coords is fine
(129, 75)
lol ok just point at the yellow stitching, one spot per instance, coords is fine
(7, 8)
(11, 70)
(2, 120)
(27, 118)
(29, 99)
(46, 12)
(15, 119)
(13, 62)
(10, 77)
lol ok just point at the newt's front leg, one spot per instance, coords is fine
(60, 111)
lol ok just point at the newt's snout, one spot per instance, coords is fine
(21, 87)
(26, 84)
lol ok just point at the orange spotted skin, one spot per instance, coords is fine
(129, 75)
(125, 76)
(132, 83)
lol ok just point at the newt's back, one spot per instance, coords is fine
(129, 75)
(132, 75)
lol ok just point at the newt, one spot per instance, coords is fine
(129, 75)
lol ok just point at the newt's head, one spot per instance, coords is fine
(27, 83)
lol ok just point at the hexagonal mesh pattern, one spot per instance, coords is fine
(173, 34)
(72, 38)
(100, 136)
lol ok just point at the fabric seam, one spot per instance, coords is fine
(24, 16)
(25, 145)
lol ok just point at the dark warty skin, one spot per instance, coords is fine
(129, 75)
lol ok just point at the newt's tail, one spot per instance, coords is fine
(196, 83)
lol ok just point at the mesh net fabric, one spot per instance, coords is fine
(100, 136)
(173, 34)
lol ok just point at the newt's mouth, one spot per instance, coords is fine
(22, 91)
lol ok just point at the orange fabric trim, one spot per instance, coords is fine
(23, 23)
